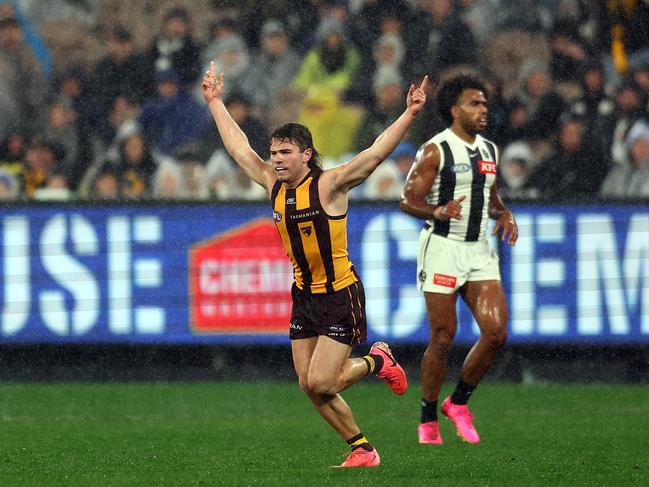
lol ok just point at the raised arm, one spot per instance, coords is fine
(235, 140)
(352, 173)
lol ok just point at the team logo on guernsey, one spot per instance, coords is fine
(307, 230)
(277, 216)
(444, 280)
(460, 168)
(487, 167)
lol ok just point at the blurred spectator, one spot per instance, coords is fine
(240, 110)
(376, 18)
(41, 160)
(388, 105)
(525, 15)
(231, 57)
(498, 110)
(227, 181)
(574, 170)
(221, 30)
(174, 49)
(516, 161)
(174, 118)
(387, 55)
(444, 39)
(630, 105)
(301, 18)
(22, 84)
(194, 174)
(71, 89)
(62, 129)
(478, 16)
(623, 35)
(9, 186)
(640, 76)
(631, 180)
(106, 184)
(169, 182)
(119, 73)
(12, 155)
(542, 104)
(332, 124)
(275, 66)
(333, 63)
(567, 51)
(137, 167)
(56, 188)
(594, 102)
(40, 12)
(122, 120)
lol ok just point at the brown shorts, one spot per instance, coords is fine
(339, 315)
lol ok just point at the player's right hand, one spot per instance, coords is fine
(452, 209)
(212, 85)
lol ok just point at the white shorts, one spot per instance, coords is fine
(444, 265)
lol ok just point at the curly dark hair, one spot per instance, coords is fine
(301, 136)
(449, 91)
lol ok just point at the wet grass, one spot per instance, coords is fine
(267, 434)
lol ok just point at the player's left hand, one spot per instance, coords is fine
(417, 96)
(507, 224)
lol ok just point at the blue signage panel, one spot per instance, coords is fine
(132, 274)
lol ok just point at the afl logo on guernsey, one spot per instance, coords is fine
(277, 216)
(487, 167)
(460, 168)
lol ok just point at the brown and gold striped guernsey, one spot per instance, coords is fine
(315, 242)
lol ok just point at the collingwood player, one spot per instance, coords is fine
(310, 213)
(452, 186)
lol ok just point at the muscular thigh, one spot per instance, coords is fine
(487, 302)
(441, 312)
(302, 351)
(327, 360)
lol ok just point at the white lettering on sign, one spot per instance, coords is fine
(244, 276)
(66, 295)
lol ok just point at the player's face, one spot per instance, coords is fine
(472, 111)
(289, 162)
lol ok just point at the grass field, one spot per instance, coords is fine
(267, 434)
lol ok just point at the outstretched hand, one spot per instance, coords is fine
(452, 209)
(417, 96)
(212, 85)
(509, 227)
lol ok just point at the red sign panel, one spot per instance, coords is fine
(240, 282)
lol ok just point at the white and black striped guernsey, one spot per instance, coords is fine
(464, 169)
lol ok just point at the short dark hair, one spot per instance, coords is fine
(450, 90)
(301, 136)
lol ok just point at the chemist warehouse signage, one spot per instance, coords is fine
(218, 274)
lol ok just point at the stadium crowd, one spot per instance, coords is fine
(100, 99)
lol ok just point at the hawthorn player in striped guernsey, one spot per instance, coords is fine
(310, 212)
(452, 186)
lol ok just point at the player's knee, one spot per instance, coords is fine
(304, 384)
(320, 386)
(496, 336)
(442, 338)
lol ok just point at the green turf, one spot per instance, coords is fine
(267, 434)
